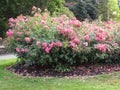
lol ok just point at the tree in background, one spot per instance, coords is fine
(102, 9)
(113, 10)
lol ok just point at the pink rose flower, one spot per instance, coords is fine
(47, 50)
(102, 47)
(100, 37)
(51, 45)
(19, 33)
(43, 22)
(11, 20)
(72, 44)
(58, 44)
(96, 28)
(116, 44)
(87, 37)
(54, 19)
(0, 38)
(33, 8)
(46, 27)
(101, 30)
(76, 40)
(108, 27)
(35, 23)
(44, 45)
(85, 44)
(11, 25)
(77, 23)
(71, 22)
(18, 50)
(9, 33)
(38, 43)
(27, 39)
(33, 38)
(65, 30)
(24, 50)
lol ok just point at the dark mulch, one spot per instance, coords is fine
(76, 71)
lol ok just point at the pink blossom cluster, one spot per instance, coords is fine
(87, 37)
(15, 22)
(11, 22)
(63, 29)
(19, 33)
(0, 38)
(116, 44)
(48, 47)
(75, 23)
(18, 50)
(102, 47)
(73, 45)
(66, 27)
(9, 33)
(27, 39)
(34, 8)
(85, 44)
(44, 23)
(21, 18)
(101, 35)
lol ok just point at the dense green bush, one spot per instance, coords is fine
(80, 11)
(96, 9)
(62, 42)
(85, 9)
(13, 8)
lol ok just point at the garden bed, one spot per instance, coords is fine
(81, 70)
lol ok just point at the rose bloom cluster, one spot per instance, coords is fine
(76, 32)
(46, 33)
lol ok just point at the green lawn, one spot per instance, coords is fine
(9, 81)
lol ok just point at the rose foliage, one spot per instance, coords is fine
(61, 41)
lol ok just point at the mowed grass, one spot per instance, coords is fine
(9, 81)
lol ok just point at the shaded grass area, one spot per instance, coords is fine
(9, 81)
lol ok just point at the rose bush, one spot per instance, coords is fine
(61, 42)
